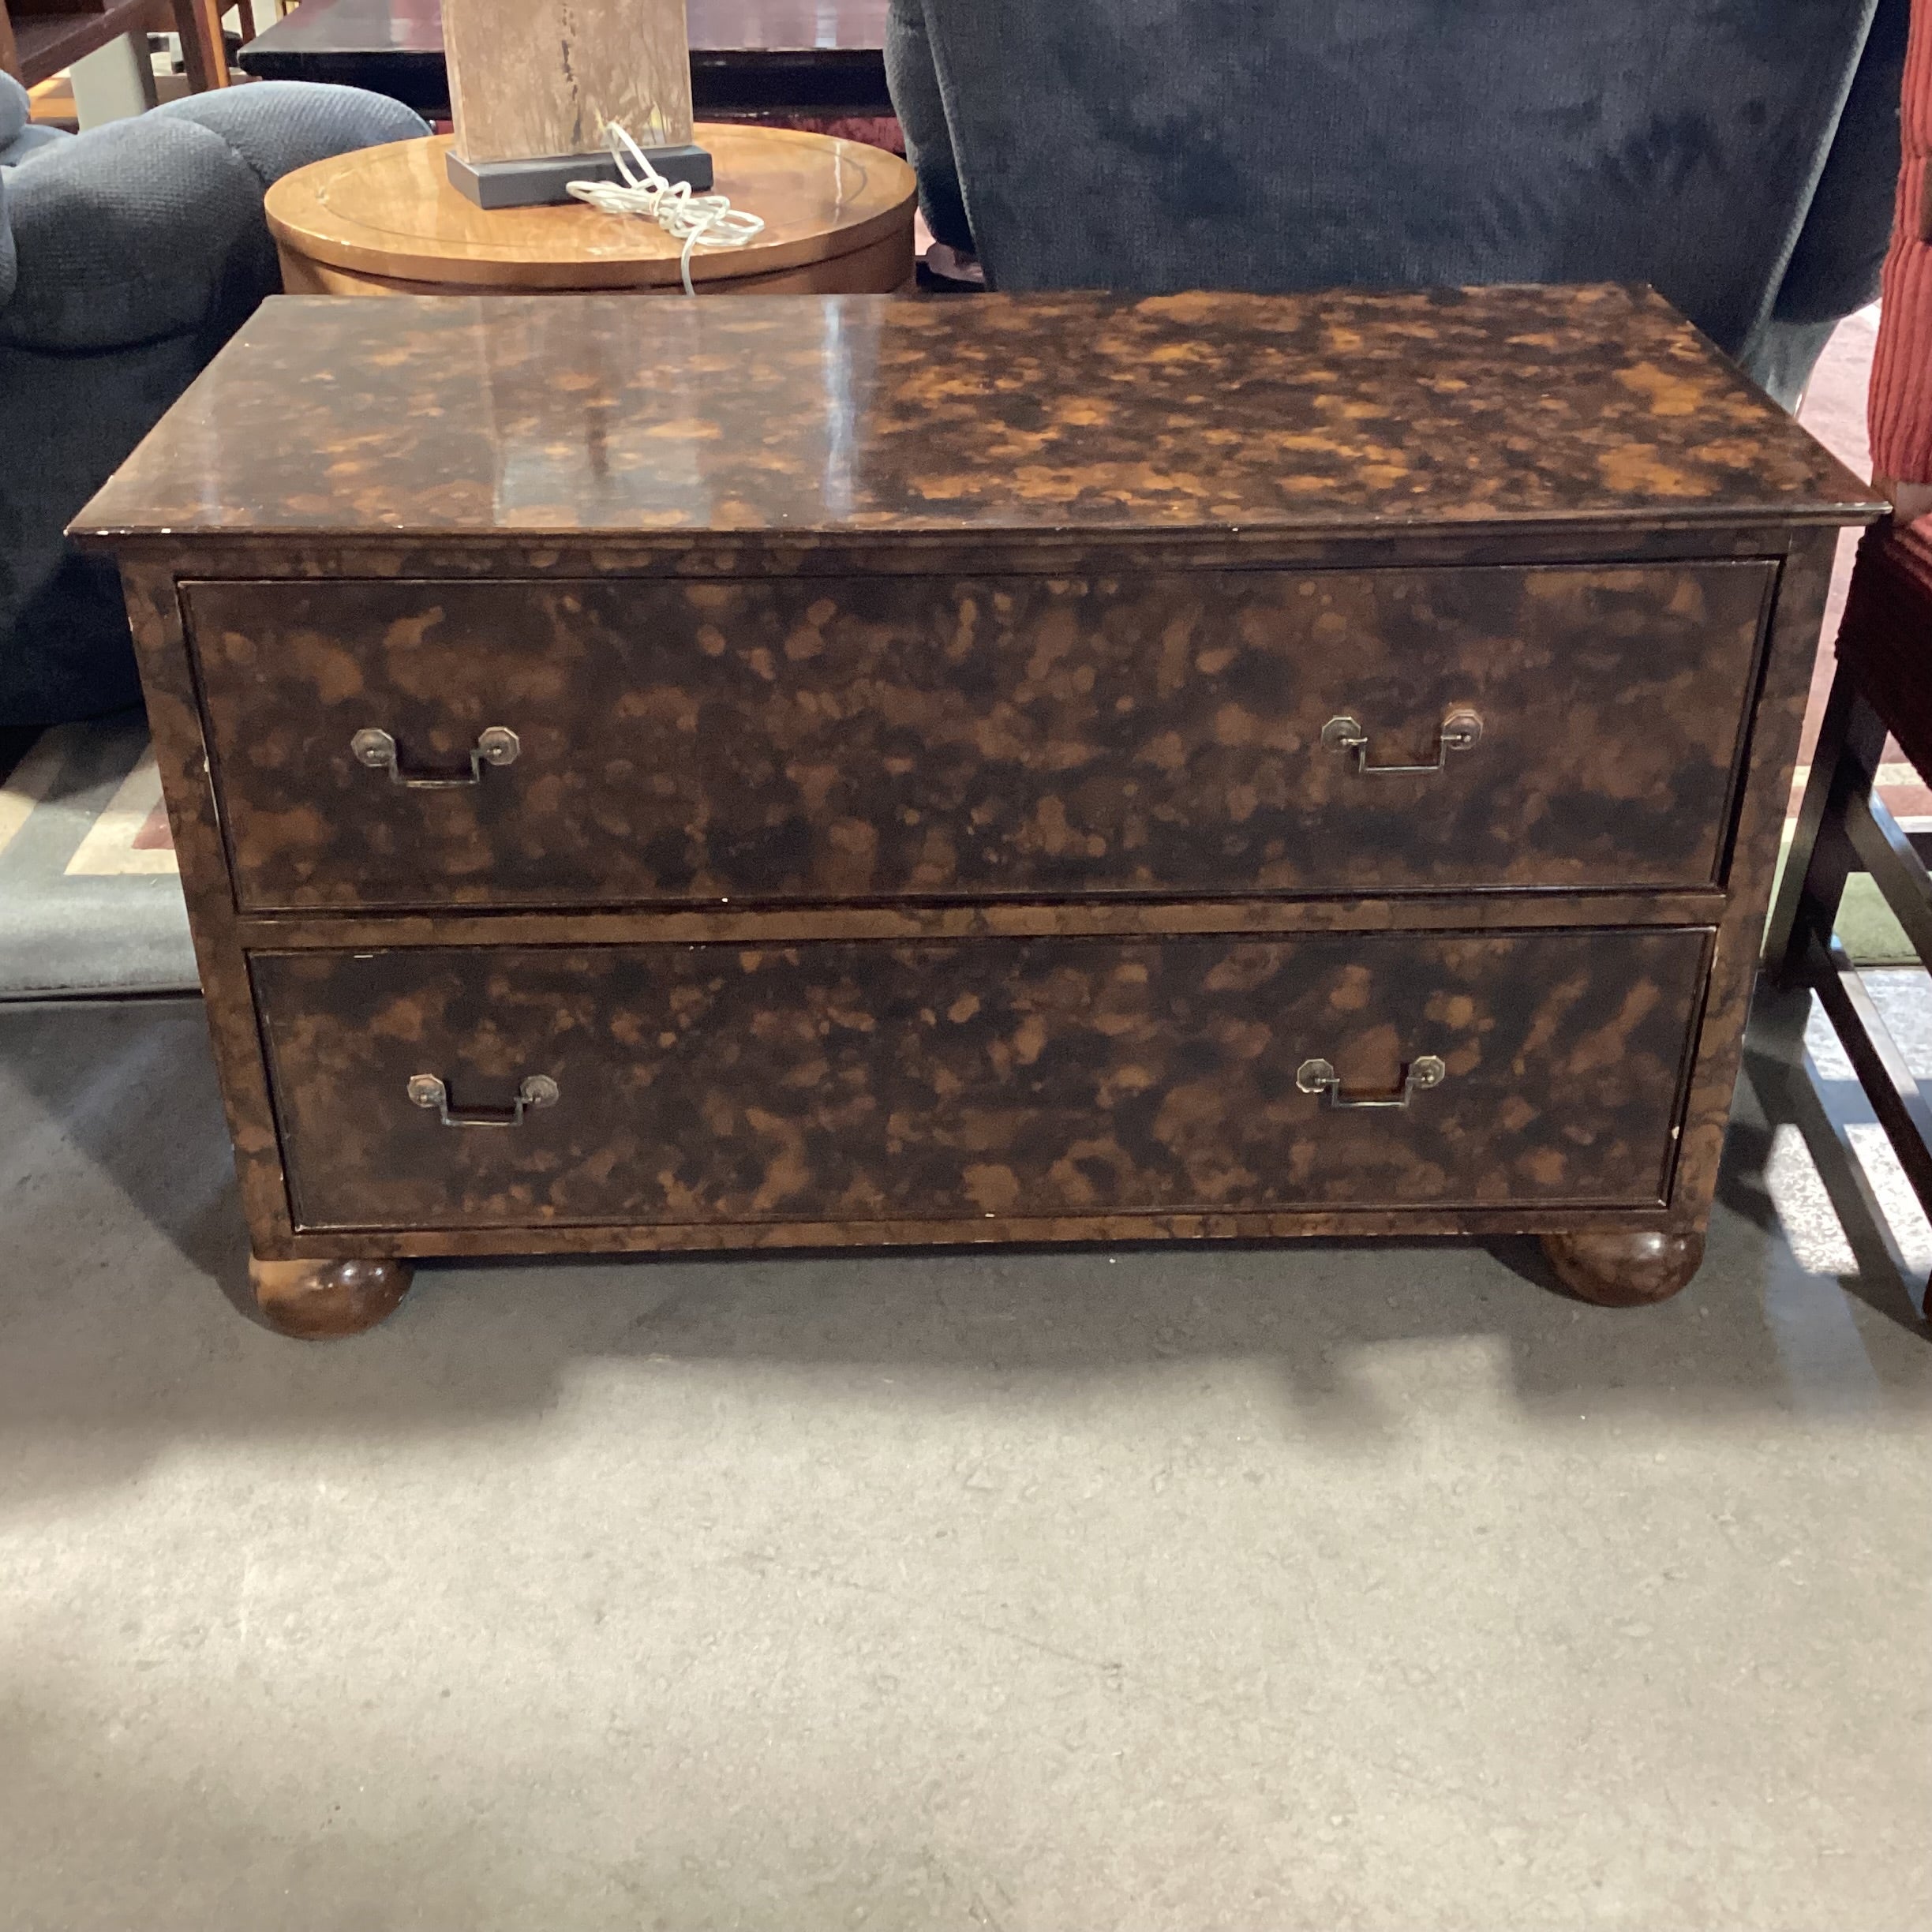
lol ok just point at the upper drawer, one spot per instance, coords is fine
(1190, 734)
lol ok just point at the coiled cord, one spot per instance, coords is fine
(698, 221)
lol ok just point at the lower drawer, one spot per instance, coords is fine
(868, 1082)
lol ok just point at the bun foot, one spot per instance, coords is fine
(1617, 1269)
(315, 1300)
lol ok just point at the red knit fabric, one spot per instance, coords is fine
(1900, 403)
(1888, 617)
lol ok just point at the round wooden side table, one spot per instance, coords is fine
(838, 219)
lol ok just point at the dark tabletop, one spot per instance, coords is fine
(799, 57)
(1332, 414)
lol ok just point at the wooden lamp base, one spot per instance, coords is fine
(545, 179)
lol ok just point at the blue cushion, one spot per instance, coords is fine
(19, 135)
(276, 126)
(121, 236)
(15, 110)
(30, 140)
(153, 227)
(127, 257)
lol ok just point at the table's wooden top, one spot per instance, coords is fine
(748, 27)
(390, 211)
(1324, 414)
(748, 56)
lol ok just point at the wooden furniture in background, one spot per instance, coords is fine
(34, 46)
(838, 217)
(1035, 769)
(199, 23)
(1882, 687)
(250, 14)
(821, 57)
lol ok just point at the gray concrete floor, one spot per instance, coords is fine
(1335, 1586)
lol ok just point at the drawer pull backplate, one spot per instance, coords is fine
(538, 1090)
(1317, 1076)
(376, 748)
(1461, 730)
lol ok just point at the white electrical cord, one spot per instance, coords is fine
(706, 221)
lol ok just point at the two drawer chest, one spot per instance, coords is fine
(819, 770)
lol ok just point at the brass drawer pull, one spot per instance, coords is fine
(498, 745)
(539, 1090)
(1317, 1076)
(1460, 731)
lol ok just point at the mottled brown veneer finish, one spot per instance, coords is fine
(1618, 1269)
(857, 1083)
(919, 826)
(320, 1300)
(931, 737)
(851, 417)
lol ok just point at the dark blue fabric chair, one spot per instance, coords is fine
(1739, 155)
(127, 256)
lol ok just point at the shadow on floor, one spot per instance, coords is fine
(123, 1235)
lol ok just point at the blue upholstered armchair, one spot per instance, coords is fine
(128, 255)
(1739, 155)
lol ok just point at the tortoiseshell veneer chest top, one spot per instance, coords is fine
(801, 770)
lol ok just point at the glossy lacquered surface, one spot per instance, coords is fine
(827, 739)
(323, 1301)
(746, 56)
(714, 26)
(391, 211)
(988, 643)
(865, 1084)
(1618, 1269)
(864, 417)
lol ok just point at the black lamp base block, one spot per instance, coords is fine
(546, 178)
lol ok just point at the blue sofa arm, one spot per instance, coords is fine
(127, 257)
(276, 126)
(153, 227)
